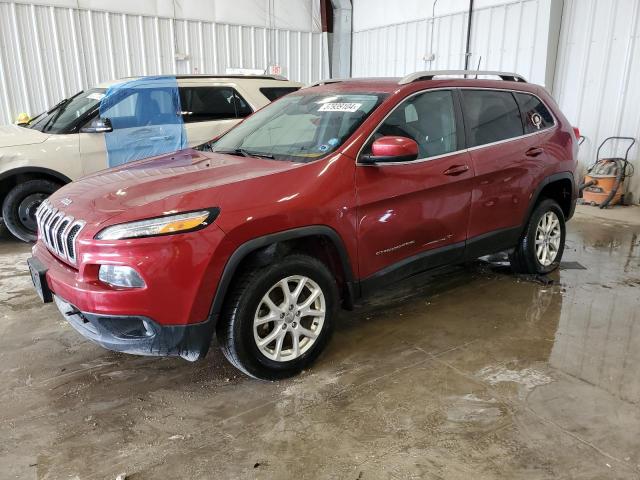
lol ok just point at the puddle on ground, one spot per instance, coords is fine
(474, 371)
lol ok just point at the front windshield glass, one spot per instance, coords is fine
(300, 127)
(64, 115)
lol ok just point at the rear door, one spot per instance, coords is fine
(414, 214)
(504, 161)
(210, 110)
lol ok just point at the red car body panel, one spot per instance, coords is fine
(437, 204)
(506, 177)
(175, 269)
(383, 215)
(169, 299)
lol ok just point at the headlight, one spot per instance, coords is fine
(182, 223)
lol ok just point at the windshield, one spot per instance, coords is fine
(300, 127)
(64, 115)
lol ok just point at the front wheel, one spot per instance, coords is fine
(278, 318)
(542, 244)
(20, 205)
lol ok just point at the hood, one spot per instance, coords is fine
(182, 181)
(15, 136)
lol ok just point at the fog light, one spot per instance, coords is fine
(120, 276)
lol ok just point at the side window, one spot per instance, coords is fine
(242, 107)
(535, 115)
(140, 107)
(123, 113)
(273, 93)
(203, 104)
(162, 100)
(428, 118)
(491, 116)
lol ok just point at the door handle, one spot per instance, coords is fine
(456, 170)
(534, 152)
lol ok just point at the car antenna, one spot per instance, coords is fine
(478, 69)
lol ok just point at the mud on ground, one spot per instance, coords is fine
(473, 373)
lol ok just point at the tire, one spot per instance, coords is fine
(527, 258)
(238, 337)
(20, 204)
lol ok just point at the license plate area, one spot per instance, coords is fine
(39, 278)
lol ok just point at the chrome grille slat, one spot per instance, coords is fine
(46, 212)
(61, 228)
(58, 231)
(47, 226)
(62, 240)
(52, 230)
(72, 234)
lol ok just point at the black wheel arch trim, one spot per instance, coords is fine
(546, 181)
(255, 244)
(36, 170)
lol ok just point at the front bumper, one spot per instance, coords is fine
(180, 273)
(164, 318)
(139, 335)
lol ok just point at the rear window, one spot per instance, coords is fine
(491, 116)
(202, 104)
(273, 93)
(535, 115)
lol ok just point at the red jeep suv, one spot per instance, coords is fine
(309, 204)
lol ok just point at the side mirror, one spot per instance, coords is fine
(391, 149)
(98, 125)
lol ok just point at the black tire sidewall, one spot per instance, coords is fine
(530, 258)
(12, 201)
(243, 343)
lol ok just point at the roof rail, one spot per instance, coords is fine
(326, 81)
(235, 75)
(413, 77)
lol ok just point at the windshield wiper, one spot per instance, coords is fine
(54, 116)
(59, 104)
(246, 153)
(256, 154)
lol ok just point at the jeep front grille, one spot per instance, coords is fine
(58, 231)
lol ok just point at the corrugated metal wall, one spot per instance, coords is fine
(505, 36)
(598, 74)
(48, 53)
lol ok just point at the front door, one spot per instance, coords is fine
(413, 215)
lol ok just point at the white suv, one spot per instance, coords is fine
(78, 135)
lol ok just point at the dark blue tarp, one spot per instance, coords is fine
(146, 120)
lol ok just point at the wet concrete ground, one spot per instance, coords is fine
(474, 373)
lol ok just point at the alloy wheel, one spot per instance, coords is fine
(289, 318)
(548, 238)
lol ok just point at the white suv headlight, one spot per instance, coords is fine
(167, 225)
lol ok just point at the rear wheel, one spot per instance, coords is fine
(279, 318)
(542, 245)
(20, 205)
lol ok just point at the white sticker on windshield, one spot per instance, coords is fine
(339, 107)
(96, 96)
